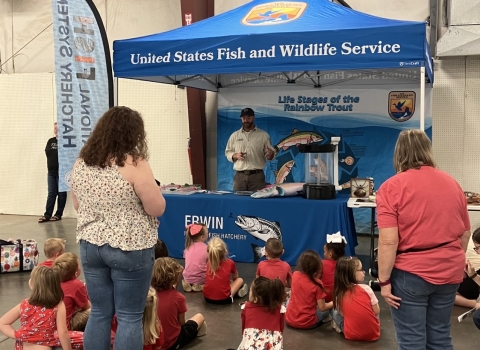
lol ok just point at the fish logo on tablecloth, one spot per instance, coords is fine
(274, 13)
(401, 105)
(260, 229)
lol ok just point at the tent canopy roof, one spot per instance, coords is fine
(273, 37)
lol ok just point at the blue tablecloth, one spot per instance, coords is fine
(302, 224)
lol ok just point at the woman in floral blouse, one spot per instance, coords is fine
(118, 202)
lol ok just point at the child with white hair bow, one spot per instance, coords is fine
(333, 250)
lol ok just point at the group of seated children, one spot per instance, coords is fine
(321, 291)
(328, 291)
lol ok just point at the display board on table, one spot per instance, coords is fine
(368, 120)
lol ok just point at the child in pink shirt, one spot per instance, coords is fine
(196, 256)
(273, 267)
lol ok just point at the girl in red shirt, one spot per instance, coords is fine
(307, 307)
(263, 315)
(43, 320)
(356, 306)
(75, 295)
(333, 250)
(219, 288)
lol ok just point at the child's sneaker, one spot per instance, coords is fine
(202, 330)
(243, 291)
(336, 327)
(197, 287)
(186, 286)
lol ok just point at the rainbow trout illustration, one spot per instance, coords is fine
(298, 138)
(282, 174)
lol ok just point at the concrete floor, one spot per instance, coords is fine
(224, 326)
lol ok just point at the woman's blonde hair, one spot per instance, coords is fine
(66, 265)
(46, 289)
(217, 252)
(189, 239)
(413, 150)
(166, 272)
(150, 321)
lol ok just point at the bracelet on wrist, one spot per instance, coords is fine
(473, 276)
(385, 283)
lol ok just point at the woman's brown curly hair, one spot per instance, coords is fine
(118, 133)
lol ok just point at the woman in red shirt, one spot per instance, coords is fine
(307, 307)
(424, 230)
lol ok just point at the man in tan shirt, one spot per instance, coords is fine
(249, 148)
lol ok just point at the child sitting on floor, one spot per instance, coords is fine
(153, 335)
(356, 306)
(333, 250)
(75, 295)
(219, 289)
(53, 248)
(195, 255)
(161, 250)
(43, 321)
(263, 315)
(307, 308)
(172, 306)
(273, 267)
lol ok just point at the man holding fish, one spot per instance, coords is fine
(249, 148)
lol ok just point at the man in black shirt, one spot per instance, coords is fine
(51, 151)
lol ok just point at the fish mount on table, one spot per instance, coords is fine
(288, 189)
(472, 197)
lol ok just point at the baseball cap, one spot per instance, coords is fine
(247, 112)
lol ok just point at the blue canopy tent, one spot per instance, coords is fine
(279, 43)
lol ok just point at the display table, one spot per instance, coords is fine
(300, 223)
(356, 203)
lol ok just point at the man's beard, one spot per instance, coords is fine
(248, 125)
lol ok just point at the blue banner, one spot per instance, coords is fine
(83, 77)
(265, 36)
(367, 118)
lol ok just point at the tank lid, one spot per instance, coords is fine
(316, 148)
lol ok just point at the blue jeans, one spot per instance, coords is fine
(52, 179)
(476, 318)
(117, 283)
(423, 319)
(337, 318)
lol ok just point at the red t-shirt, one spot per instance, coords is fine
(328, 277)
(274, 268)
(360, 322)
(217, 287)
(47, 263)
(302, 308)
(171, 303)
(430, 211)
(258, 317)
(74, 297)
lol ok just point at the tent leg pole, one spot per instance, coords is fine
(422, 98)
